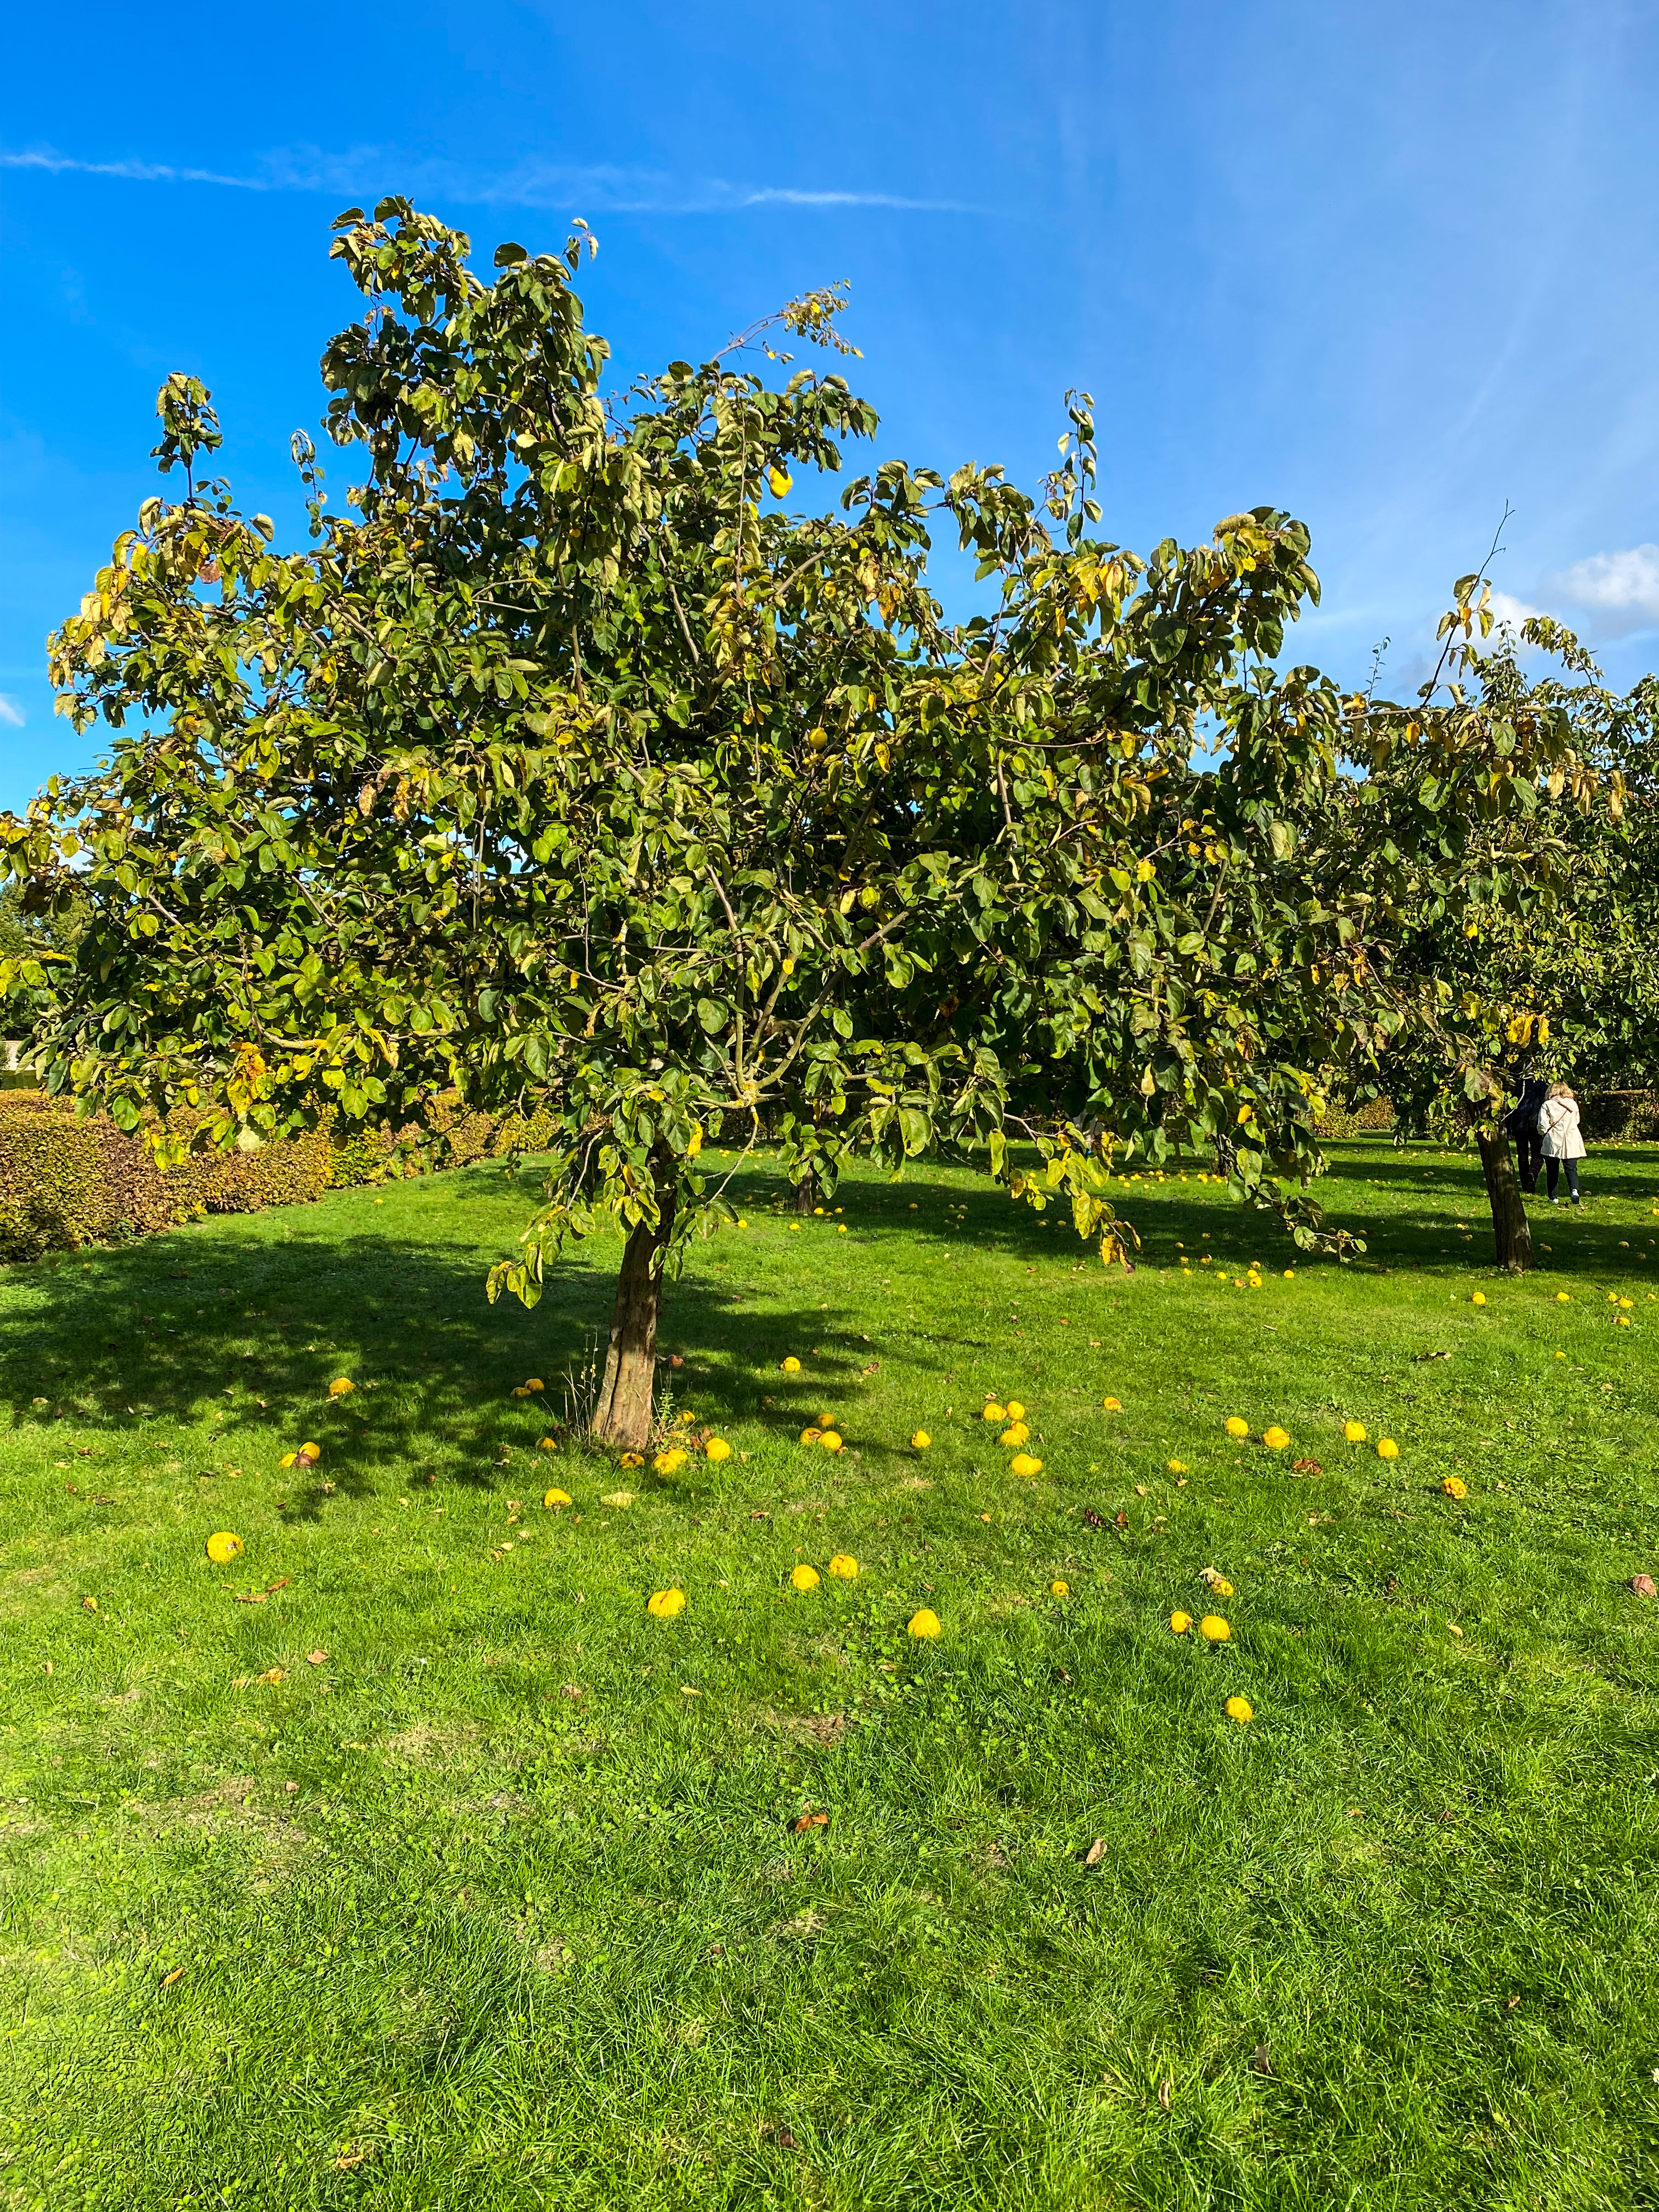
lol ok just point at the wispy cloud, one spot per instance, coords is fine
(1620, 591)
(365, 172)
(12, 716)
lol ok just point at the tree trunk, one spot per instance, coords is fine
(1226, 1154)
(622, 1414)
(1511, 1232)
(806, 1193)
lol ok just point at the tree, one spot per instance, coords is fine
(1484, 819)
(573, 769)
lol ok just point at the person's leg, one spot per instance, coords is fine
(1530, 1159)
(1551, 1175)
(1572, 1179)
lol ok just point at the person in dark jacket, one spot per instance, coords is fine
(1521, 1122)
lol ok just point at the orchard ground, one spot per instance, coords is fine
(406, 1860)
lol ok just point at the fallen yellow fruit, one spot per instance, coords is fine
(1181, 1622)
(1113, 1405)
(556, 1498)
(534, 1382)
(223, 1546)
(633, 1459)
(1014, 1410)
(668, 1463)
(1563, 1297)
(288, 1459)
(1455, 1486)
(792, 1365)
(1387, 1448)
(805, 1577)
(1236, 1427)
(341, 1387)
(1017, 1435)
(665, 1605)
(1275, 1439)
(811, 1436)
(1174, 1465)
(1213, 1628)
(844, 1567)
(925, 1623)
(717, 1448)
(1022, 1463)
(1479, 1299)
(1354, 1432)
(1239, 1710)
(1060, 1590)
(994, 1412)
(920, 1441)
(829, 1441)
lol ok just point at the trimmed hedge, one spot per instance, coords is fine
(66, 1181)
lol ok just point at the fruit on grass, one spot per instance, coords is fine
(1239, 1710)
(1181, 1622)
(341, 1387)
(994, 1412)
(1387, 1448)
(1455, 1486)
(925, 1623)
(1213, 1629)
(1023, 1464)
(1060, 1590)
(1017, 1433)
(556, 1498)
(717, 1448)
(1354, 1432)
(1275, 1439)
(666, 1604)
(792, 1365)
(829, 1442)
(1014, 1410)
(223, 1546)
(805, 1577)
(844, 1567)
(1236, 1427)
(670, 1461)
(920, 1441)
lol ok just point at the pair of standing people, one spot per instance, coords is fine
(1544, 1123)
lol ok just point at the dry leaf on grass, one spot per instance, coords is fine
(1307, 1467)
(315, 1658)
(167, 1980)
(809, 1821)
(1096, 1852)
(1644, 1586)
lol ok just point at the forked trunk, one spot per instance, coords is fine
(622, 1414)
(1511, 1232)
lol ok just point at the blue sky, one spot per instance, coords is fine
(1385, 267)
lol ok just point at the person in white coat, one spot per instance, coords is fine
(1563, 1142)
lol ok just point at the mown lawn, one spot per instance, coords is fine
(493, 1896)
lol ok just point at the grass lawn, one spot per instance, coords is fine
(406, 1862)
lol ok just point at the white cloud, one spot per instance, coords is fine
(1509, 612)
(1621, 590)
(366, 172)
(12, 716)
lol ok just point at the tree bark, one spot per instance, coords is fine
(1511, 1231)
(623, 1414)
(806, 1193)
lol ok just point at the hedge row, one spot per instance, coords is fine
(66, 1181)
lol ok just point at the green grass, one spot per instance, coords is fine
(487, 1902)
